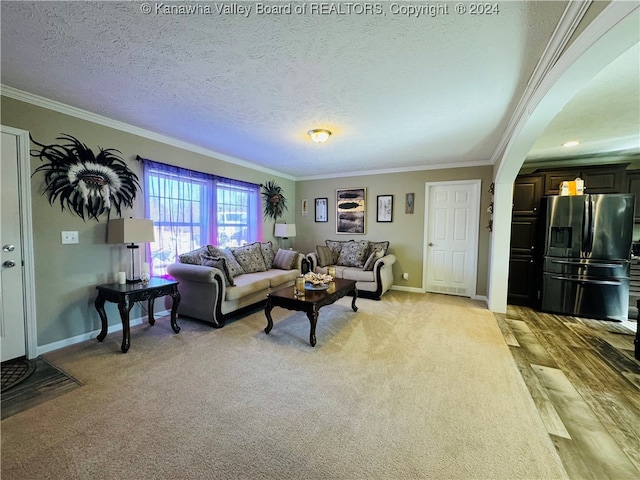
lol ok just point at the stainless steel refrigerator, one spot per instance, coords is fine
(587, 255)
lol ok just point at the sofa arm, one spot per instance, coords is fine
(193, 273)
(312, 258)
(202, 290)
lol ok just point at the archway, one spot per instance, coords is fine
(609, 35)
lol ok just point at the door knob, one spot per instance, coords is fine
(8, 248)
(9, 264)
(431, 244)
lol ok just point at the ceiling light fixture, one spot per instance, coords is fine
(572, 143)
(319, 135)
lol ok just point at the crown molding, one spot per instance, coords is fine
(59, 107)
(387, 171)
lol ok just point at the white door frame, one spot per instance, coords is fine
(475, 227)
(26, 231)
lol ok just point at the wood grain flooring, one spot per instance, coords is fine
(585, 382)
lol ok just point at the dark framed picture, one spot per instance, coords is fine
(350, 210)
(322, 210)
(385, 208)
(408, 206)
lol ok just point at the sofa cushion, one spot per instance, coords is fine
(268, 254)
(353, 254)
(379, 246)
(324, 255)
(285, 259)
(250, 257)
(246, 285)
(232, 264)
(335, 246)
(193, 257)
(375, 255)
(220, 263)
(277, 277)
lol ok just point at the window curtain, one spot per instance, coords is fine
(183, 206)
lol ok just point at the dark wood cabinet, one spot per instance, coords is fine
(523, 288)
(527, 191)
(597, 179)
(523, 258)
(633, 186)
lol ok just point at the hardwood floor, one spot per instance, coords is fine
(584, 379)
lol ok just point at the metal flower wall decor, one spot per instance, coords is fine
(87, 184)
(274, 202)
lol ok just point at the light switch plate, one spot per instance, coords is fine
(69, 237)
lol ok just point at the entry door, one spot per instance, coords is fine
(451, 248)
(16, 309)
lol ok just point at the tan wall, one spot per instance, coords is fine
(66, 275)
(406, 232)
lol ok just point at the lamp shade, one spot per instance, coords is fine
(130, 230)
(285, 230)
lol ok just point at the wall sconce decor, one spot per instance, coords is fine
(85, 183)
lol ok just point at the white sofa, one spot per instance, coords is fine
(211, 291)
(368, 263)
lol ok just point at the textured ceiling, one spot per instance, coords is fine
(398, 91)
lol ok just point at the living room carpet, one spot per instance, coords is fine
(413, 386)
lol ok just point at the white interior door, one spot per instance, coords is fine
(451, 246)
(16, 281)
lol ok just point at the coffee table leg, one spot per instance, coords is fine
(267, 311)
(353, 302)
(313, 319)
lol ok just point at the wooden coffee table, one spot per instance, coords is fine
(311, 302)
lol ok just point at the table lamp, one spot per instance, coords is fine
(285, 230)
(131, 231)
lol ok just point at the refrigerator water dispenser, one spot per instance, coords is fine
(560, 237)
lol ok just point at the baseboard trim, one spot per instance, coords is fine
(50, 347)
(408, 289)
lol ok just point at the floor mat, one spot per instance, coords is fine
(45, 382)
(16, 371)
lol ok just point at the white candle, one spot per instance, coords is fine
(145, 267)
(122, 278)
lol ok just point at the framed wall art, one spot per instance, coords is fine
(351, 210)
(408, 206)
(303, 208)
(322, 210)
(384, 211)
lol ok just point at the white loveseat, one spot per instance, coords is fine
(215, 283)
(368, 263)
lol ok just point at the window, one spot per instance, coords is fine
(190, 209)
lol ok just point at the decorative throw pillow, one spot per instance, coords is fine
(221, 264)
(335, 246)
(353, 254)
(325, 256)
(250, 258)
(193, 257)
(375, 255)
(232, 264)
(382, 246)
(268, 254)
(285, 259)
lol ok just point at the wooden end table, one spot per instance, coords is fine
(127, 295)
(310, 303)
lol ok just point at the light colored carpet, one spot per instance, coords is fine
(410, 387)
